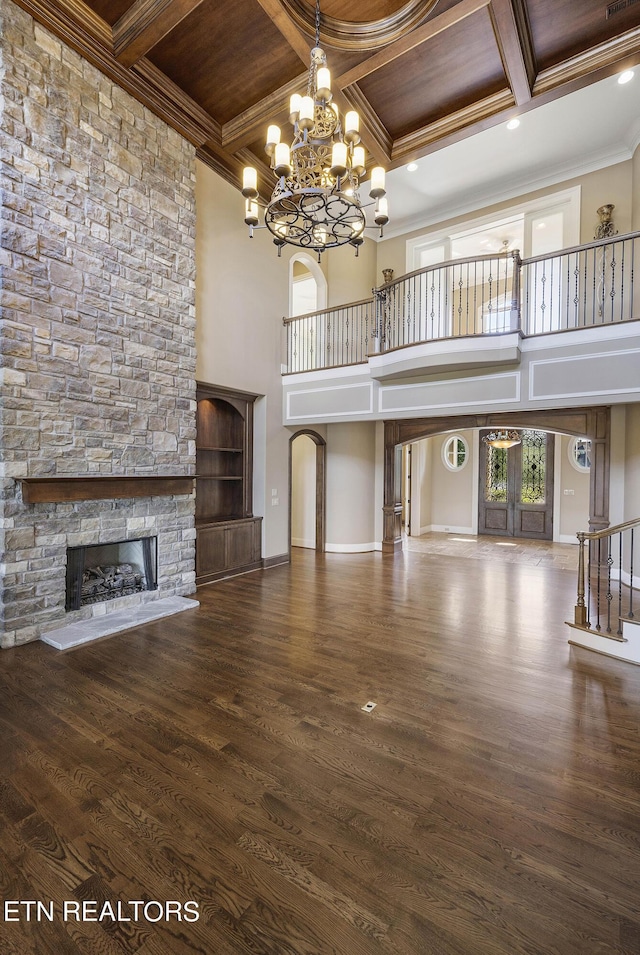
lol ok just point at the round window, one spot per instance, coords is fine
(579, 451)
(455, 452)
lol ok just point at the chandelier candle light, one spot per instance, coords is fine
(315, 204)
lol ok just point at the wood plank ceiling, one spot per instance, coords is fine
(422, 73)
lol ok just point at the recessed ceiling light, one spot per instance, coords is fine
(513, 124)
(412, 167)
(625, 77)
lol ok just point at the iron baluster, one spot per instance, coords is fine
(598, 627)
(619, 631)
(609, 594)
(631, 579)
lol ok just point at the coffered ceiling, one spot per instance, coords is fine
(423, 73)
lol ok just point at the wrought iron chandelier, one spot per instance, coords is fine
(502, 439)
(316, 204)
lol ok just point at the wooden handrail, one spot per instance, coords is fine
(585, 247)
(450, 263)
(608, 531)
(325, 311)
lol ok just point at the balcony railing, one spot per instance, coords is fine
(580, 287)
(330, 337)
(586, 285)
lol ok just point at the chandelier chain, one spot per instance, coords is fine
(317, 22)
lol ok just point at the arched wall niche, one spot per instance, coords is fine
(592, 423)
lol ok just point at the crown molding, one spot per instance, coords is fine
(145, 24)
(356, 35)
(473, 118)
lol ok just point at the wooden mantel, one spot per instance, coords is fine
(102, 487)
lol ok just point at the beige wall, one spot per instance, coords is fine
(613, 184)
(350, 278)
(239, 335)
(632, 463)
(453, 501)
(442, 498)
(572, 512)
(635, 221)
(351, 486)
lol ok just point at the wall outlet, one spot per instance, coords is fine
(569, 490)
(368, 707)
(275, 501)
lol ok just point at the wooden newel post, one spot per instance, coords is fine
(580, 613)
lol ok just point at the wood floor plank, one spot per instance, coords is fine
(488, 805)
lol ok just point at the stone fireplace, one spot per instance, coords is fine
(98, 334)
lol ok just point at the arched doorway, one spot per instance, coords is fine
(307, 490)
(589, 423)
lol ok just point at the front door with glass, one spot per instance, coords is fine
(516, 488)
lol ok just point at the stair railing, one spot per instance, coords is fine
(606, 578)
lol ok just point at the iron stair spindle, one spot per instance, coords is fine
(609, 593)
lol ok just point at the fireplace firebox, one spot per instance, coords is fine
(99, 572)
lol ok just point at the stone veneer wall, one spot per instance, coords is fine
(97, 341)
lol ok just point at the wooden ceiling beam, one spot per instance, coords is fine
(605, 59)
(177, 104)
(283, 22)
(373, 133)
(420, 35)
(516, 48)
(246, 126)
(144, 24)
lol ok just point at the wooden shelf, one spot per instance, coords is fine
(228, 538)
(103, 487)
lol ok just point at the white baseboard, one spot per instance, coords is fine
(352, 548)
(566, 539)
(302, 542)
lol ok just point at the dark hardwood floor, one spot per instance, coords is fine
(489, 805)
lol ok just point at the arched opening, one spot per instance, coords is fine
(307, 497)
(307, 285)
(583, 491)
